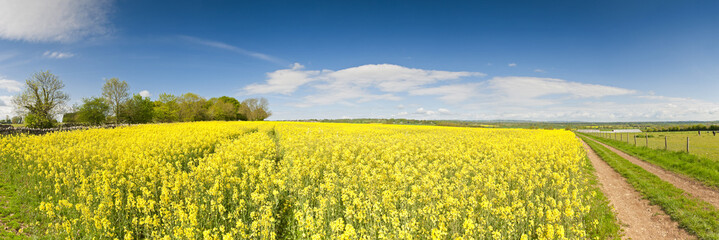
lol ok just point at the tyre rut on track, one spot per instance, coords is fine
(639, 219)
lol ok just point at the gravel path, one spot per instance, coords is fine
(639, 219)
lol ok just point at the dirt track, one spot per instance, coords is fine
(691, 186)
(639, 219)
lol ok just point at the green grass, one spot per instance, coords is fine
(607, 226)
(694, 215)
(704, 145)
(18, 206)
(700, 168)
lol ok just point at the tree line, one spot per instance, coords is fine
(43, 98)
(698, 127)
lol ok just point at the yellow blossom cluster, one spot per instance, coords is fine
(277, 180)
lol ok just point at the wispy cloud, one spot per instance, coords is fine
(7, 56)
(57, 55)
(535, 91)
(54, 20)
(512, 64)
(539, 70)
(228, 47)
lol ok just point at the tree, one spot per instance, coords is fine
(254, 109)
(16, 120)
(139, 109)
(41, 100)
(165, 108)
(116, 93)
(70, 117)
(236, 106)
(191, 107)
(221, 110)
(93, 110)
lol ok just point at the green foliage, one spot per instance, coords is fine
(94, 110)
(221, 110)
(138, 109)
(230, 100)
(69, 117)
(165, 108)
(235, 108)
(191, 108)
(16, 120)
(698, 217)
(697, 127)
(35, 121)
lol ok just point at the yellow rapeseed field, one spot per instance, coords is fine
(275, 180)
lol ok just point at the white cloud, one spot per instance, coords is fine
(634, 108)
(423, 111)
(10, 85)
(6, 106)
(284, 81)
(390, 77)
(145, 93)
(57, 55)
(455, 93)
(511, 97)
(358, 84)
(512, 64)
(52, 20)
(225, 46)
(539, 70)
(6, 100)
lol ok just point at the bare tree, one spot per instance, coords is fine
(42, 99)
(116, 93)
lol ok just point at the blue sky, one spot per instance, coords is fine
(472, 60)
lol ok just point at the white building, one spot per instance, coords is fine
(626, 131)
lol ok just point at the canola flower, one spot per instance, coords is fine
(274, 180)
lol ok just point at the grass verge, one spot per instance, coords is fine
(18, 217)
(694, 215)
(702, 169)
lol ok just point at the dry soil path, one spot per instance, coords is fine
(691, 186)
(639, 219)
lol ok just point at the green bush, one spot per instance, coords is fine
(36, 121)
